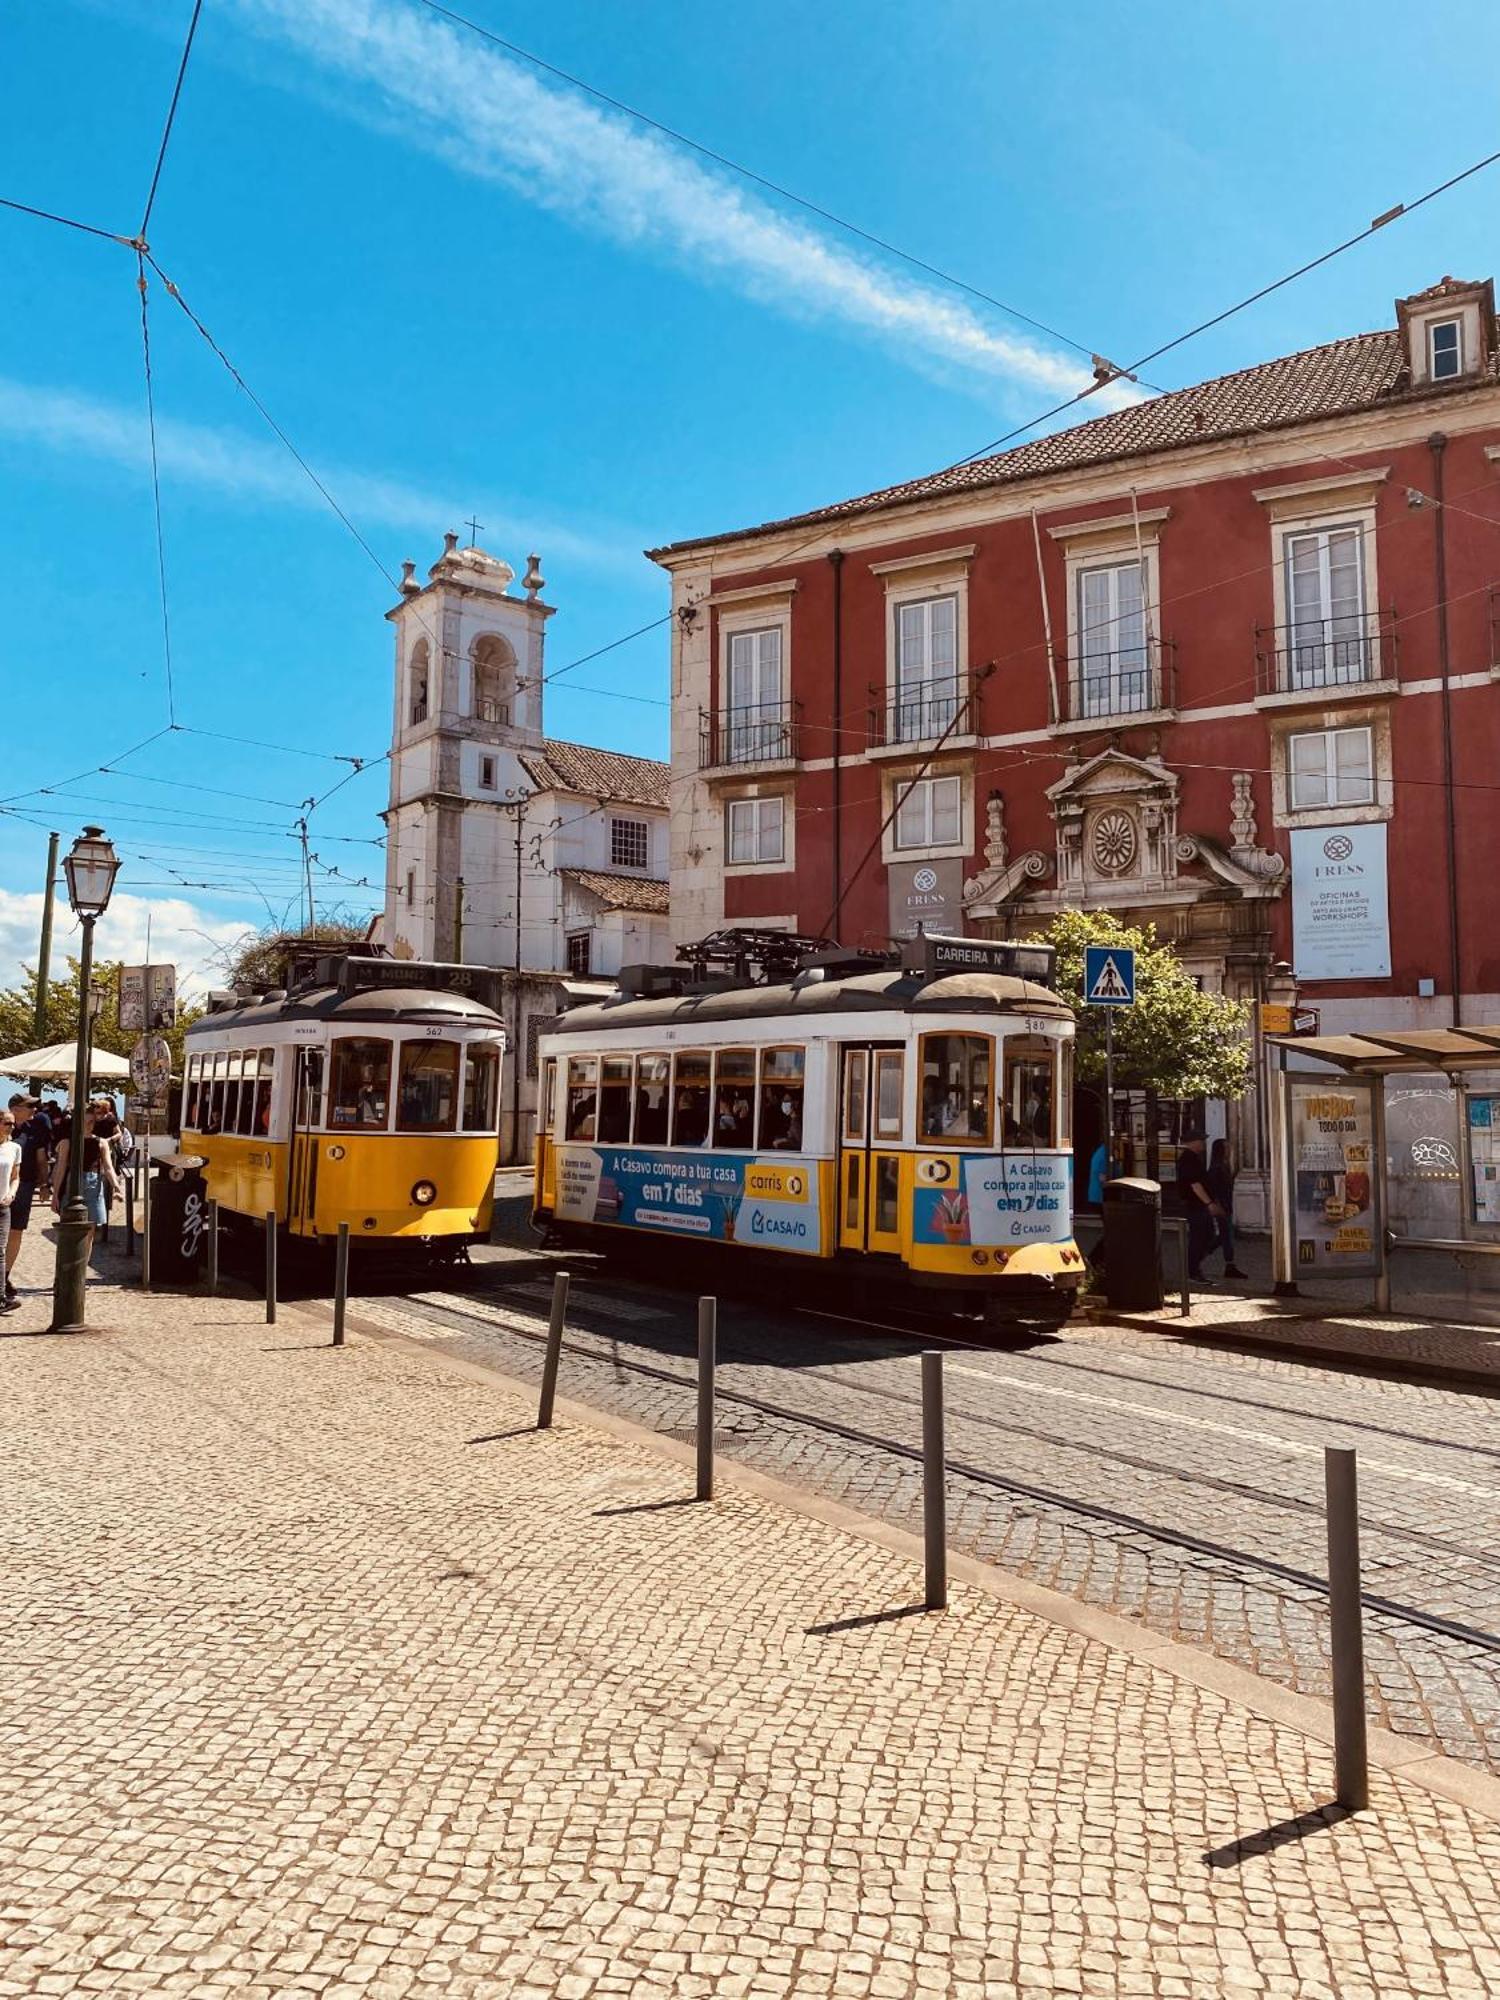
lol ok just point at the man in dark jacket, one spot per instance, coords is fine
(1198, 1205)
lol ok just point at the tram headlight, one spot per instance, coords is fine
(424, 1194)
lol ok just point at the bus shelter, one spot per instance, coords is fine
(1329, 1188)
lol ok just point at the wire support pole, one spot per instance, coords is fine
(557, 1320)
(1346, 1629)
(708, 1326)
(934, 1482)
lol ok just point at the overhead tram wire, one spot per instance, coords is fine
(67, 222)
(161, 545)
(161, 151)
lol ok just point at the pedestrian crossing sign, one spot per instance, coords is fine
(1108, 975)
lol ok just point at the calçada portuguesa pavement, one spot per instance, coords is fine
(328, 1675)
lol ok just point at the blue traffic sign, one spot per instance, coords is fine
(1108, 975)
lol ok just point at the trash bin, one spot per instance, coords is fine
(179, 1216)
(1132, 1244)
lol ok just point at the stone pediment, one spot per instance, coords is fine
(1112, 774)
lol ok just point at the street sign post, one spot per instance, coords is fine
(151, 1067)
(1109, 982)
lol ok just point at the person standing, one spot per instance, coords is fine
(1221, 1187)
(32, 1134)
(98, 1175)
(10, 1181)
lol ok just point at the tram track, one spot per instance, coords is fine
(1097, 1513)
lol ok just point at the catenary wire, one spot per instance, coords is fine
(161, 151)
(66, 221)
(161, 544)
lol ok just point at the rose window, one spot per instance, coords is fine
(1113, 842)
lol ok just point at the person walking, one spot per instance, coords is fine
(98, 1175)
(10, 1181)
(1221, 1187)
(1198, 1205)
(32, 1134)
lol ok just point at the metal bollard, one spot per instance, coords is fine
(708, 1324)
(934, 1482)
(1179, 1229)
(211, 1227)
(129, 1214)
(1346, 1629)
(553, 1355)
(340, 1284)
(270, 1267)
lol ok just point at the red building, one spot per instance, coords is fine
(1223, 660)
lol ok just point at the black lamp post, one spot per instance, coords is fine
(91, 868)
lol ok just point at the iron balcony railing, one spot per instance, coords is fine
(487, 710)
(922, 711)
(765, 732)
(1316, 654)
(1136, 680)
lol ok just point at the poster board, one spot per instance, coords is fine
(1334, 1178)
(1341, 926)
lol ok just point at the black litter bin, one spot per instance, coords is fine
(179, 1216)
(1132, 1244)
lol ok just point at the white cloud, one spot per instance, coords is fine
(248, 470)
(492, 118)
(183, 934)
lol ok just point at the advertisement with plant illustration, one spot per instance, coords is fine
(714, 1197)
(1004, 1198)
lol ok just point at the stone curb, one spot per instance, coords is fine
(1185, 1332)
(1396, 1756)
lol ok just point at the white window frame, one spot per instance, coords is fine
(1434, 328)
(1335, 800)
(1112, 688)
(1119, 541)
(619, 822)
(1323, 506)
(1375, 717)
(912, 580)
(748, 612)
(898, 786)
(755, 729)
(756, 798)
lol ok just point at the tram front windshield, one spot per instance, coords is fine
(360, 1091)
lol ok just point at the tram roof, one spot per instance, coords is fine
(881, 992)
(393, 1005)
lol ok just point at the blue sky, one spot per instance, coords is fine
(460, 286)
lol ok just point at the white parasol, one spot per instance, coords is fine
(60, 1059)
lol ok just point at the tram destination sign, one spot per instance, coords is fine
(368, 975)
(1001, 955)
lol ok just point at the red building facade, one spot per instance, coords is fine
(1224, 661)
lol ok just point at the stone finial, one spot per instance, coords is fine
(409, 582)
(450, 543)
(533, 583)
(1242, 827)
(995, 848)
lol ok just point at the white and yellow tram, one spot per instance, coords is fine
(369, 1094)
(913, 1122)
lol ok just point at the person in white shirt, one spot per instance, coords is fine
(10, 1180)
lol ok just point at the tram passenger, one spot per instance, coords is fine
(789, 1116)
(734, 1126)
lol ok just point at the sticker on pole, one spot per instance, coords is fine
(1108, 975)
(151, 1066)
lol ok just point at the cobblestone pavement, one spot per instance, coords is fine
(1181, 1487)
(327, 1677)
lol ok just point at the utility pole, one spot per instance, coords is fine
(458, 922)
(44, 947)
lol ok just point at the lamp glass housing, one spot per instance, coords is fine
(91, 866)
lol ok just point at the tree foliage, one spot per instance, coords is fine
(1175, 1040)
(261, 961)
(18, 1030)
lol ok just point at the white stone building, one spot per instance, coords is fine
(505, 847)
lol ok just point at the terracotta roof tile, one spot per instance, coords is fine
(621, 892)
(598, 774)
(1356, 373)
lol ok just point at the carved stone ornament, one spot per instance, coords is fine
(1112, 843)
(1000, 879)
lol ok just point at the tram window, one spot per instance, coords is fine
(734, 1099)
(886, 1218)
(690, 1098)
(360, 1090)
(263, 1092)
(583, 1092)
(190, 1113)
(856, 1092)
(215, 1119)
(249, 1092)
(889, 1067)
(548, 1121)
(310, 1105)
(482, 1089)
(653, 1097)
(781, 1080)
(1027, 1110)
(853, 1165)
(956, 1088)
(614, 1100)
(1065, 1095)
(230, 1111)
(428, 1099)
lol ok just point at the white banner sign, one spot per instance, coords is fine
(1341, 926)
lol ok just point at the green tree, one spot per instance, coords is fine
(261, 961)
(60, 1021)
(1175, 1040)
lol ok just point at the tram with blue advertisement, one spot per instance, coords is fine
(801, 1102)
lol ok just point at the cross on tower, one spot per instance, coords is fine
(474, 527)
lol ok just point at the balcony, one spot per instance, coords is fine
(1136, 684)
(918, 715)
(1326, 659)
(760, 737)
(486, 709)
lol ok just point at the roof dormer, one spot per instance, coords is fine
(1449, 332)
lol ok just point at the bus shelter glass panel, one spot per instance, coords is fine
(782, 1080)
(653, 1099)
(428, 1097)
(360, 1086)
(614, 1100)
(690, 1097)
(734, 1099)
(1484, 1159)
(956, 1089)
(482, 1090)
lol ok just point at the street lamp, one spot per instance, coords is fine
(90, 868)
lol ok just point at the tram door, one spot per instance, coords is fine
(302, 1169)
(869, 1147)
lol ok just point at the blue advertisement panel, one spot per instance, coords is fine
(714, 1197)
(996, 1199)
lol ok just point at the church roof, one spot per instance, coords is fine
(1360, 372)
(608, 775)
(621, 892)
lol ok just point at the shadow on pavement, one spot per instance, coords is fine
(1252, 1845)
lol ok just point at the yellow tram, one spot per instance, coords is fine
(368, 1094)
(907, 1121)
